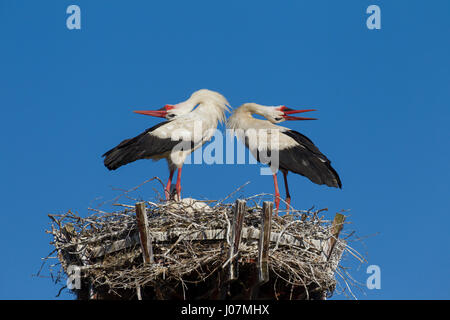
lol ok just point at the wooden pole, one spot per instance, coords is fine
(264, 241)
(336, 228)
(239, 210)
(144, 235)
(138, 292)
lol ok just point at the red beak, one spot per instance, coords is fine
(291, 111)
(161, 113)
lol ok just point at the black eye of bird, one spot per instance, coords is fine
(170, 116)
(278, 119)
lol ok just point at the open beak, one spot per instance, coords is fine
(288, 111)
(161, 113)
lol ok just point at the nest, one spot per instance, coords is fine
(191, 242)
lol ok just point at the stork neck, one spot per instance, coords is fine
(243, 118)
(209, 113)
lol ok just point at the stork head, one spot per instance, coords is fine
(173, 111)
(276, 114)
(169, 111)
(283, 113)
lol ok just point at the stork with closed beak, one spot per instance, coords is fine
(185, 130)
(296, 152)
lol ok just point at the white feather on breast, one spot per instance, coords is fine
(189, 129)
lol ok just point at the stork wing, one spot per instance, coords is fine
(150, 143)
(305, 158)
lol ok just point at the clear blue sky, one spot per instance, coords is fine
(383, 98)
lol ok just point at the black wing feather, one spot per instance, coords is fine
(142, 146)
(307, 160)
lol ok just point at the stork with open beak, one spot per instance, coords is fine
(296, 152)
(185, 130)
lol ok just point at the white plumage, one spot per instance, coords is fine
(190, 124)
(281, 147)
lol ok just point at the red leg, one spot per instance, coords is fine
(288, 196)
(178, 185)
(277, 192)
(169, 183)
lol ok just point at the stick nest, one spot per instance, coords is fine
(191, 249)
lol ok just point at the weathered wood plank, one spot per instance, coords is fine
(336, 228)
(144, 235)
(236, 235)
(160, 237)
(264, 241)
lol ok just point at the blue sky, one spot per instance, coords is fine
(382, 96)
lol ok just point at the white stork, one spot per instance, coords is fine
(185, 130)
(296, 152)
